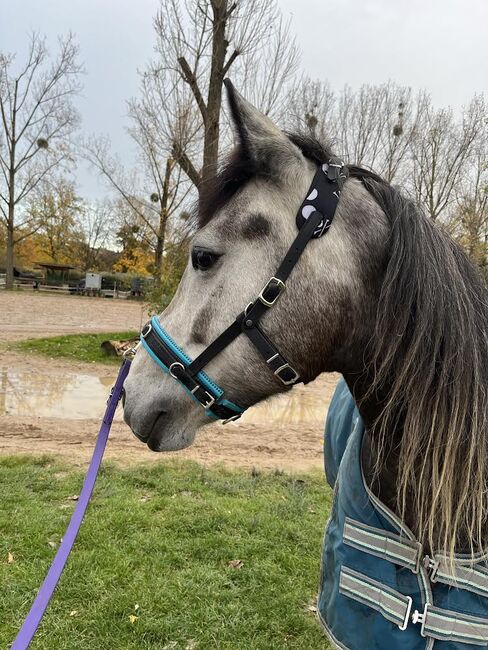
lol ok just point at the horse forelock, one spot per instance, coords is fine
(239, 168)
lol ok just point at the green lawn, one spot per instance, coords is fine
(81, 347)
(158, 544)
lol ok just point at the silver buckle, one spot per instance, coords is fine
(289, 381)
(207, 404)
(281, 286)
(130, 353)
(431, 564)
(406, 619)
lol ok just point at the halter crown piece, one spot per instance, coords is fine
(313, 220)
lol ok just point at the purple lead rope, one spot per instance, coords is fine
(36, 612)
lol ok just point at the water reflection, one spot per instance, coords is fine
(79, 396)
(297, 406)
(71, 396)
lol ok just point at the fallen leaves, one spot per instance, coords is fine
(133, 618)
(312, 606)
(10, 558)
(235, 564)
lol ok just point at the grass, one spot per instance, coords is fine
(80, 347)
(157, 544)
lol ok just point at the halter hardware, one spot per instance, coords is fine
(294, 374)
(271, 291)
(211, 400)
(314, 218)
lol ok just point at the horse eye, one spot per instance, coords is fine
(202, 259)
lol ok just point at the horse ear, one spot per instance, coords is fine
(258, 135)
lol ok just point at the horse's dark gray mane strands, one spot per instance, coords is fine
(429, 353)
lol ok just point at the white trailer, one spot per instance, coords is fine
(93, 281)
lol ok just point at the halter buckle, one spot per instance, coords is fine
(273, 283)
(209, 403)
(287, 382)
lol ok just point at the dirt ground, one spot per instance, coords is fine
(291, 447)
(28, 314)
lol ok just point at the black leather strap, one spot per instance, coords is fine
(276, 361)
(267, 298)
(276, 285)
(217, 345)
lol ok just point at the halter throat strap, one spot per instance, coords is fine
(314, 219)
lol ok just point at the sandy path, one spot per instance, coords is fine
(292, 447)
(26, 314)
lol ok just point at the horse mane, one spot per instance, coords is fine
(430, 351)
(428, 354)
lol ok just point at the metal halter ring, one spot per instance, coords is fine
(176, 363)
(146, 329)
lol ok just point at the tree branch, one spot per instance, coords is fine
(191, 80)
(230, 61)
(186, 164)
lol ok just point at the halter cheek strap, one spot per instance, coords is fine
(314, 219)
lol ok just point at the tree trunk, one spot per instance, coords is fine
(9, 280)
(214, 101)
(163, 218)
(9, 262)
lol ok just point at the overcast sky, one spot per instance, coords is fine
(440, 45)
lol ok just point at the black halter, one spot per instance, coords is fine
(314, 219)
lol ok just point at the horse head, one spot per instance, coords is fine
(246, 225)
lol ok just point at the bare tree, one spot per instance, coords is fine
(311, 108)
(37, 119)
(442, 150)
(200, 42)
(155, 193)
(95, 223)
(372, 126)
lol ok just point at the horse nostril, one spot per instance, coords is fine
(123, 396)
(159, 416)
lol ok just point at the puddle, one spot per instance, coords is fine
(79, 397)
(69, 396)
